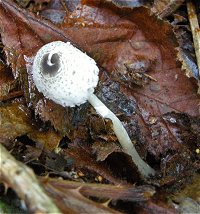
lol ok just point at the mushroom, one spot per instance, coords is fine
(68, 76)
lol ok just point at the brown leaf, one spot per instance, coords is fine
(158, 57)
(19, 49)
(49, 140)
(103, 150)
(155, 54)
(14, 122)
(166, 90)
(8, 86)
(84, 159)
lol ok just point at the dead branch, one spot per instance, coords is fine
(23, 180)
(195, 30)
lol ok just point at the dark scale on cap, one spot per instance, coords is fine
(47, 69)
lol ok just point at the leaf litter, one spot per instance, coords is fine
(141, 81)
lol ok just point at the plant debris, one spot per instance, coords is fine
(148, 77)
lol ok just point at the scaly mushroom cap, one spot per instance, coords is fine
(64, 74)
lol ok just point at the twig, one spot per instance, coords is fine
(164, 8)
(195, 30)
(22, 179)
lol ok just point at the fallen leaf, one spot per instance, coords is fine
(103, 150)
(14, 122)
(84, 159)
(48, 139)
(8, 85)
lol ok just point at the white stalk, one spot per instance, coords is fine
(122, 136)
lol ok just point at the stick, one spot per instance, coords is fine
(22, 179)
(195, 31)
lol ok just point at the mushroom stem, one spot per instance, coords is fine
(122, 136)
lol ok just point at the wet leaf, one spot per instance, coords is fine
(125, 61)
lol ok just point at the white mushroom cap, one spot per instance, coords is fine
(64, 74)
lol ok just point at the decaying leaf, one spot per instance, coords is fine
(48, 139)
(8, 86)
(14, 122)
(157, 98)
(84, 159)
(103, 150)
